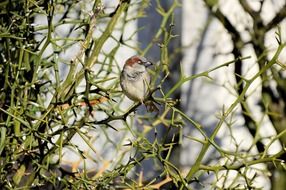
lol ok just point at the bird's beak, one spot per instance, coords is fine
(148, 64)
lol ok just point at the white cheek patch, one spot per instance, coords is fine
(134, 75)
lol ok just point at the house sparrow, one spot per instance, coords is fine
(135, 81)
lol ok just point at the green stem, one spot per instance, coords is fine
(205, 147)
(166, 16)
(76, 78)
(205, 73)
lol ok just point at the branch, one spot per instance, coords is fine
(277, 19)
(236, 51)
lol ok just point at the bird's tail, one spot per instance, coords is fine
(150, 106)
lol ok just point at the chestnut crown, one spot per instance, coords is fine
(137, 60)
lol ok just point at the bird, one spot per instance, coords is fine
(135, 81)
